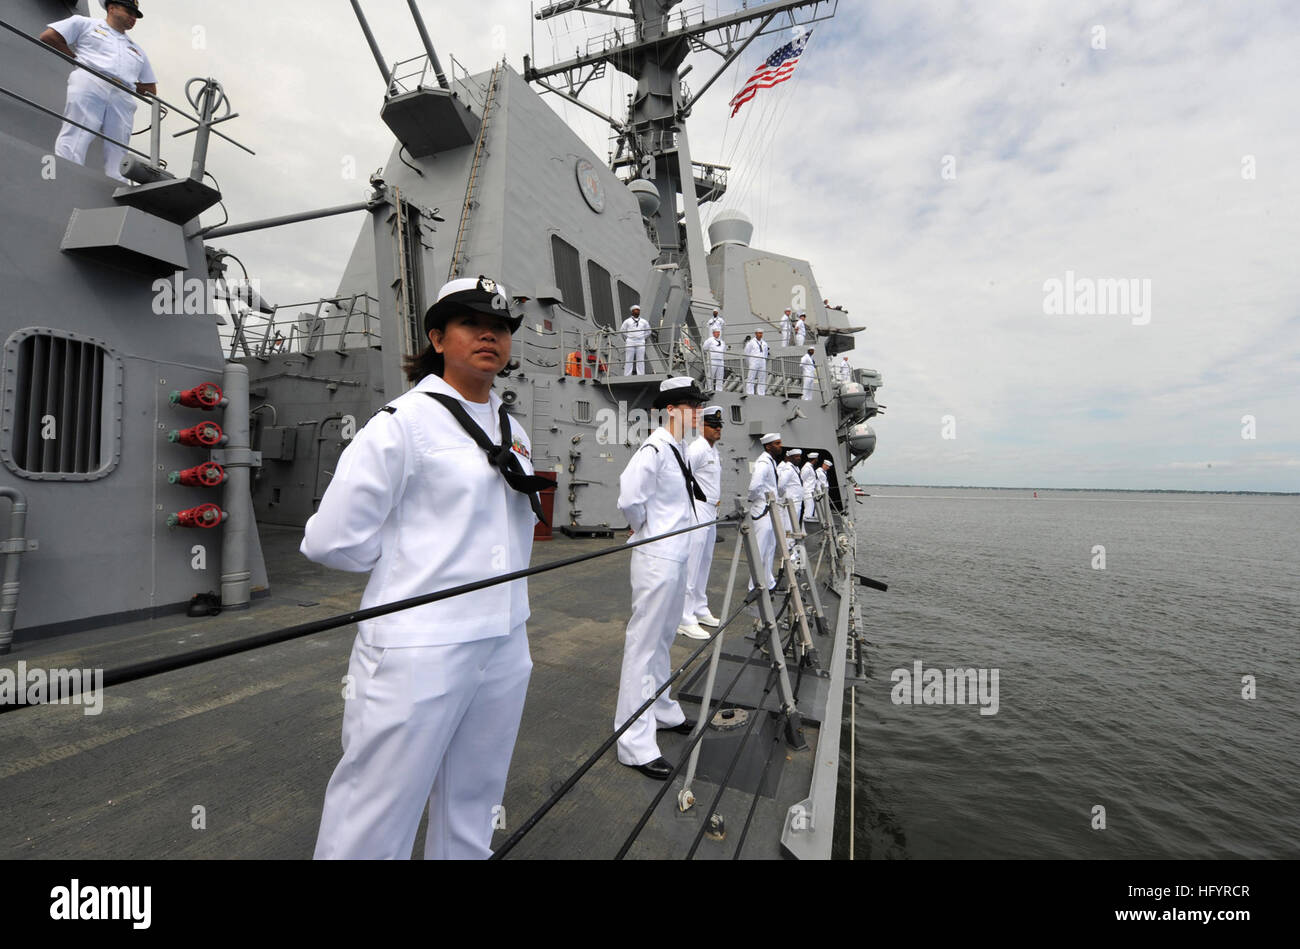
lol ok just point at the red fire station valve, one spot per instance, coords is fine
(203, 435)
(205, 515)
(207, 475)
(206, 395)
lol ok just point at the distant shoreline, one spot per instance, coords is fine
(978, 487)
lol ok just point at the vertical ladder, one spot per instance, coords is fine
(457, 256)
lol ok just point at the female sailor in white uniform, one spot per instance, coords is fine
(435, 491)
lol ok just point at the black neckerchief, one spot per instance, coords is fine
(693, 490)
(501, 457)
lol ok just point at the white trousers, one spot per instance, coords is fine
(635, 356)
(716, 373)
(658, 586)
(785, 336)
(698, 564)
(765, 536)
(96, 104)
(808, 388)
(756, 381)
(809, 509)
(433, 724)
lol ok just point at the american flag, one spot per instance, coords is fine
(776, 68)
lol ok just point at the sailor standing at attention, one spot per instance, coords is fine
(787, 327)
(635, 330)
(801, 329)
(437, 490)
(789, 488)
(716, 322)
(706, 467)
(657, 495)
(714, 361)
(845, 370)
(756, 352)
(808, 475)
(92, 102)
(762, 481)
(823, 476)
(809, 373)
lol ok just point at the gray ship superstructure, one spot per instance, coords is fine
(146, 396)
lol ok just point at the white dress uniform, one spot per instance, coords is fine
(438, 689)
(823, 482)
(716, 322)
(808, 475)
(845, 370)
(761, 481)
(635, 332)
(786, 328)
(714, 362)
(655, 499)
(809, 376)
(93, 102)
(706, 467)
(800, 331)
(756, 353)
(789, 487)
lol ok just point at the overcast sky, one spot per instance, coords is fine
(940, 164)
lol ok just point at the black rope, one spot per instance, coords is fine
(567, 786)
(152, 667)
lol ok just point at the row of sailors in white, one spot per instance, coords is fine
(635, 333)
(776, 472)
(794, 329)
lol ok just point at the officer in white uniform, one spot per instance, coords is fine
(823, 479)
(845, 370)
(787, 327)
(435, 693)
(756, 353)
(808, 475)
(762, 480)
(635, 331)
(801, 329)
(809, 373)
(706, 467)
(93, 102)
(789, 488)
(715, 351)
(716, 322)
(657, 495)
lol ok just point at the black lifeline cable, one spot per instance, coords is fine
(596, 755)
(152, 667)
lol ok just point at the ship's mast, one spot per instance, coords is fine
(651, 48)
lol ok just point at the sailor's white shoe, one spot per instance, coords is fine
(694, 631)
(707, 618)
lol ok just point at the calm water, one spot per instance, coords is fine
(1119, 687)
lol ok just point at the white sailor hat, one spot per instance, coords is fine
(811, 350)
(715, 311)
(826, 463)
(794, 451)
(711, 413)
(677, 390)
(770, 437)
(813, 454)
(480, 294)
(634, 308)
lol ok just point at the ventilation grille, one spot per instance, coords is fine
(63, 394)
(582, 411)
(735, 415)
(568, 274)
(602, 295)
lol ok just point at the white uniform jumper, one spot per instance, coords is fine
(800, 331)
(809, 376)
(756, 352)
(823, 486)
(790, 487)
(635, 331)
(93, 102)
(761, 481)
(845, 370)
(437, 690)
(706, 467)
(786, 328)
(714, 357)
(655, 498)
(808, 475)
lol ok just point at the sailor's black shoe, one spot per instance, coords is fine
(685, 728)
(659, 769)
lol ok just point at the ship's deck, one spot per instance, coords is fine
(252, 738)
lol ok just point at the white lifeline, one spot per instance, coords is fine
(635, 330)
(714, 354)
(809, 376)
(94, 102)
(756, 352)
(808, 475)
(706, 467)
(439, 689)
(762, 480)
(653, 497)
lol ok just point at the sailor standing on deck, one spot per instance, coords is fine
(762, 481)
(756, 353)
(706, 467)
(809, 373)
(808, 475)
(714, 361)
(657, 495)
(823, 477)
(845, 370)
(437, 490)
(801, 329)
(787, 327)
(789, 488)
(716, 322)
(635, 330)
(92, 102)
